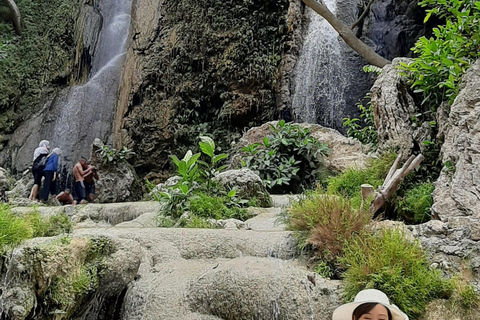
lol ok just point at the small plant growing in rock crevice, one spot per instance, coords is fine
(110, 155)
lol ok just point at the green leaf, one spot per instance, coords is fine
(219, 157)
(232, 193)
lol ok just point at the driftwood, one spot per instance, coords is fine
(391, 183)
(363, 15)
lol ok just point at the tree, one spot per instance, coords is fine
(15, 15)
(346, 33)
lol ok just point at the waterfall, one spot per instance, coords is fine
(80, 114)
(320, 78)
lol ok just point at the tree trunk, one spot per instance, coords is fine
(347, 35)
(15, 15)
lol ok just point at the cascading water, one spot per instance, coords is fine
(320, 80)
(85, 112)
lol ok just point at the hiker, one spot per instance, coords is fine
(65, 197)
(369, 304)
(89, 180)
(38, 165)
(50, 174)
(80, 170)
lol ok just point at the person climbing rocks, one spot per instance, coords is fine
(65, 197)
(89, 180)
(80, 170)
(50, 174)
(37, 168)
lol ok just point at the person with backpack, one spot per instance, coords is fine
(50, 174)
(39, 161)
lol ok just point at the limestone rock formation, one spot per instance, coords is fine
(453, 241)
(247, 183)
(53, 266)
(457, 191)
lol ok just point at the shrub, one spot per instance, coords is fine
(325, 222)
(196, 193)
(207, 206)
(444, 58)
(288, 159)
(415, 205)
(387, 261)
(198, 222)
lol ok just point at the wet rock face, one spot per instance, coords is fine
(394, 26)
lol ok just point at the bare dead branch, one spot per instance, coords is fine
(363, 15)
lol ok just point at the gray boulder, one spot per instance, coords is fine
(457, 191)
(247, 183)
(118, 181)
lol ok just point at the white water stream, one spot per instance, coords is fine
(319, 80)
(83, 113)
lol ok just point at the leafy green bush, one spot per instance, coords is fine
(325, 222)
(444, 58)
(363, 128)
(387, 261)
(288, 159)
(195, 191)
(415, 205)
(13, 229)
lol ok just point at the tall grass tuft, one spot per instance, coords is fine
(326, 222)
(387, 261)
(13, 230)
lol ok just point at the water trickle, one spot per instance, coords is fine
(85, 112)
(319, 78)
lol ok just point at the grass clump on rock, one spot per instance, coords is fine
(386, 260)
(325, 222)
(14, 229)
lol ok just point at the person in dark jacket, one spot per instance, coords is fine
(50, 173)
(37, 171)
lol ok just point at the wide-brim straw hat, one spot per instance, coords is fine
(345, 312)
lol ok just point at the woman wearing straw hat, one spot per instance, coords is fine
(370, 304)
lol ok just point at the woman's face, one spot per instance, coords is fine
(379, 312)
